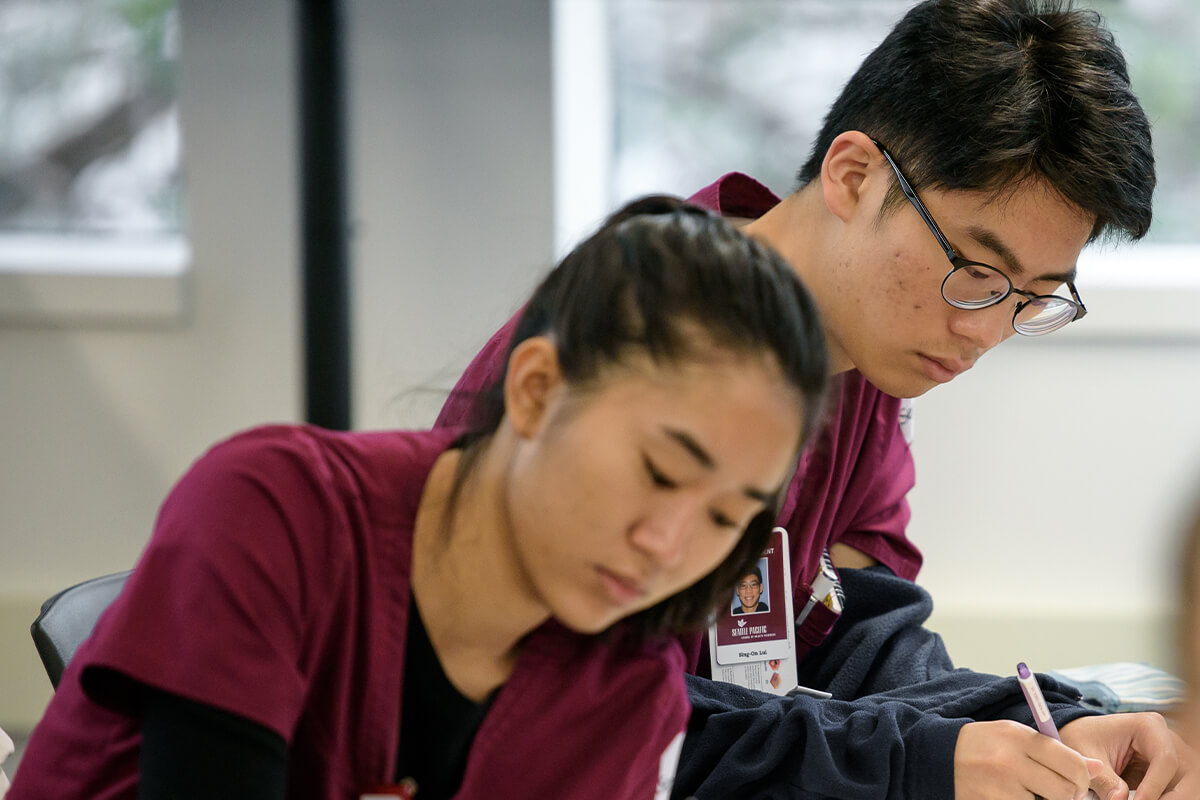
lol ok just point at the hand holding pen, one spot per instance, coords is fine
(1042, 717)
(1005, 760)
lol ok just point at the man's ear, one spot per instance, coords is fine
(533, 381)
(846, 172)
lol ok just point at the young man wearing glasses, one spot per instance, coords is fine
(955, 181)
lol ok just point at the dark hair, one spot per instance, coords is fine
(755, 571)
(656, 273)
(982, 94)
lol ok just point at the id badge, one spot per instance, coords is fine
(752, 643)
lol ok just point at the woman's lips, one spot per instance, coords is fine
(622, 589)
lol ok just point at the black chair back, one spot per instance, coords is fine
(67, 619)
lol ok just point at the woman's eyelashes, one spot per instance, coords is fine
(656, 475)
(722, 521)
(663, 481)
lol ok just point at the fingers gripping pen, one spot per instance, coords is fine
(1037, 703)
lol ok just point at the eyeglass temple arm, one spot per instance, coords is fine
(911, 194)
(1082, 312)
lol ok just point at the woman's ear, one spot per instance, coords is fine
(846, 172)
(532, 382)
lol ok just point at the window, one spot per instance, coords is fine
(90, 180)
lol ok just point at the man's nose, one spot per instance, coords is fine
(984, 328)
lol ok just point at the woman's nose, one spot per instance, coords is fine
(663, 534)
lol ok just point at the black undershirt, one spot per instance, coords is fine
(194, 751)
(437, 723)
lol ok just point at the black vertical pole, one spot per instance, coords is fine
(324, 245)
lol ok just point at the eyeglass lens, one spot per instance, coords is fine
(975, 286)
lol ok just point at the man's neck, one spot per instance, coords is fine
(795, 228)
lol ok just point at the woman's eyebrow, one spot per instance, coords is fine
(685, 440)
(766, 498)
(692, 446)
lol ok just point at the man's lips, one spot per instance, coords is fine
(943, 370)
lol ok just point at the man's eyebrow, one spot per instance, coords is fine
(994, 243)
(686, 441)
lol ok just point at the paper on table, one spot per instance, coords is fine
(6, 750)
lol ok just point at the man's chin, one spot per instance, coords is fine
(905, 387)
(909, 395)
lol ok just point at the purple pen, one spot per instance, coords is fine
(1037, 703)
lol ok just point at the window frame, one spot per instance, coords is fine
(93, 281)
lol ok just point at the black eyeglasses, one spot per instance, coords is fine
(971, 285)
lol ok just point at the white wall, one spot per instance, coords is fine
(452, 160)
(1053, 481)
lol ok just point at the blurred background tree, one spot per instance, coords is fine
(89, 131)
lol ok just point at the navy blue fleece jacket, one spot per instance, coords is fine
(888, 733)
